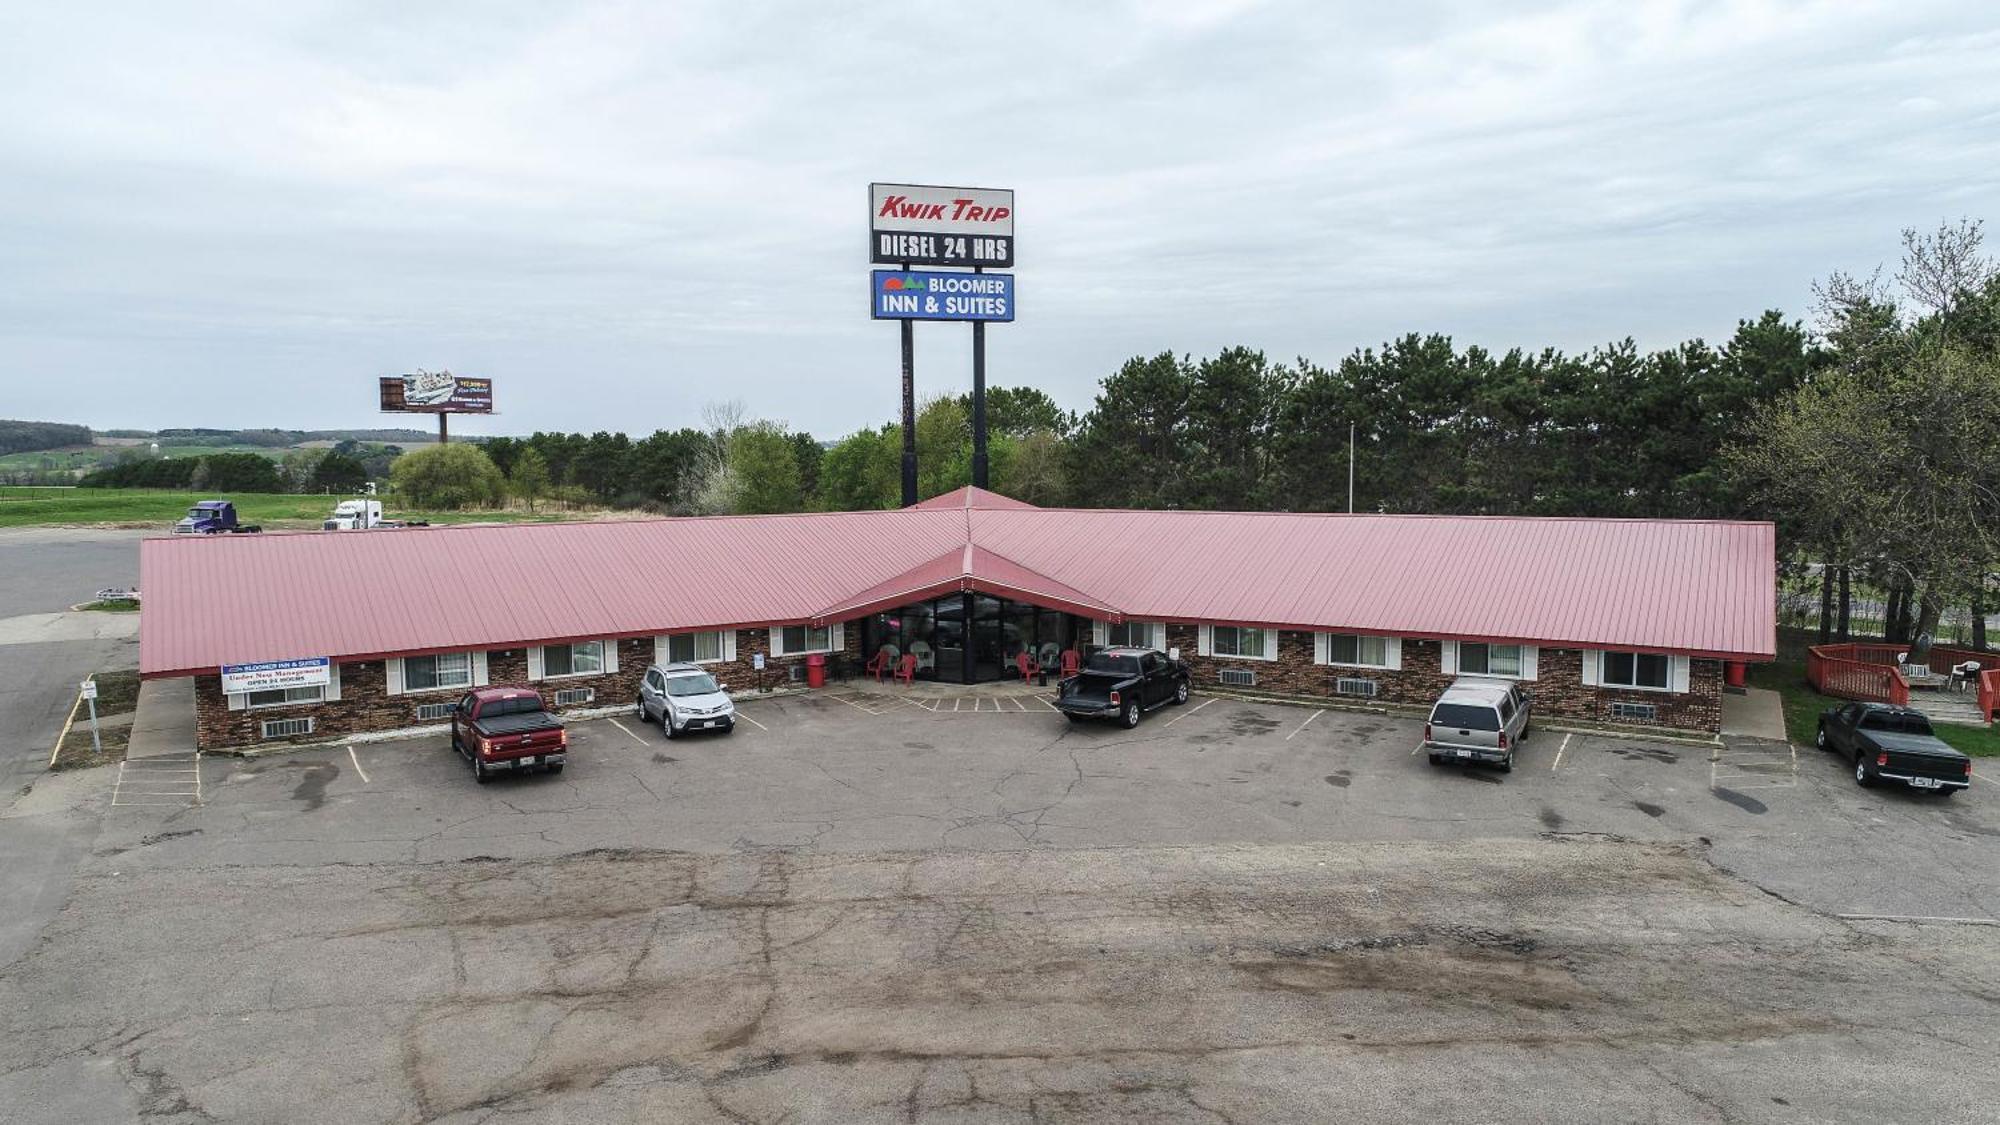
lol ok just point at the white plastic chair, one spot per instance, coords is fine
(926, 660)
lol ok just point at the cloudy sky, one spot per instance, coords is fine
(242, 214)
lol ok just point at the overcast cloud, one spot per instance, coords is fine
(242, 214)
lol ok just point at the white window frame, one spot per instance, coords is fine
(330, 693)
(836, 639)
(1594, 667)
(394, 668)
(1156, 634)
(1207, 643)
(607, 660)
(313, 694)
(1392, 652)
(1451, 665)
(725, 646)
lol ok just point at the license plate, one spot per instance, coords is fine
(528, 761)
(1924, 782)
(1463, 753)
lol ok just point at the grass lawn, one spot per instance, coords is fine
(1803, 705)
(117, 698)
(144, 507)
(111, 607)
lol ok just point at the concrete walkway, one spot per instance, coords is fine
(1757, 713)
(164, 721)
(71, 625)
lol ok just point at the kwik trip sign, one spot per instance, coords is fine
(925, 225)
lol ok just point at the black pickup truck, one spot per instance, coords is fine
(1122, 684)
(1890, 743)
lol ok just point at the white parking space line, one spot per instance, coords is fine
(1307, 723)
(628, 732)
(751, 721)
(1185, 714)
(353, 757)
(1559, 752)
(1918, 918)
(164, 782)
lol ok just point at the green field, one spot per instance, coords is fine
(1803, 705)
(146, 507)
(94, 456)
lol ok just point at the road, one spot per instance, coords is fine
(43, 571)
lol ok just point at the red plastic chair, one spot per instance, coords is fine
(1026, 664)
(906, 671)
(1071, 662)
(878, 664)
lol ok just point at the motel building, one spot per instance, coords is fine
(1618, 623)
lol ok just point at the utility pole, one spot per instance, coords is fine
(1350, 468)
(979, 400)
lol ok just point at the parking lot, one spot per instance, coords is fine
(865, 907)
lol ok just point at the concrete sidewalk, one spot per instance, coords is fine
(1757, 713)
(164, 721)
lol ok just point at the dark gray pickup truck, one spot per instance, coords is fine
(1890, 743)
(1122, 684)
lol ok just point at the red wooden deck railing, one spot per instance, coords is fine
(1868, 671)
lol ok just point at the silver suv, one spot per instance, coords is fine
(684, 697)
(1477, 720)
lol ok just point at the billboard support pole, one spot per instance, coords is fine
(979, 400)
(444, 431)
(909, 414)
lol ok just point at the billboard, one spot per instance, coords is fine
(270, 675)
(436, 392)
(927, 295)
(925, 225)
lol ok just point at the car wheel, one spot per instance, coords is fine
(1507, 766)
(1819, 737)
(667, 723)
(555, 769)
(1437, 759)
(479, 772)
(1130, 716)
(730, 729)
(1180, 693)
(639, 706)
(1861, 775)
(1072, 718)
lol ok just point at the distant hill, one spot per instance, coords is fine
(26, 437)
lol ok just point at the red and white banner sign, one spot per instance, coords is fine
(923, 224)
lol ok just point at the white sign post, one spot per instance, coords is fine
(88, 689)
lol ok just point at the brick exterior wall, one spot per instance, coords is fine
(366, 706)
(1558, 688)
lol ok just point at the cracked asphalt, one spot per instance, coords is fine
(1230, 914)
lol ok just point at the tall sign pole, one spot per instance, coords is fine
(979, 404)
(909, 412)
(926, 225)
(979, 400)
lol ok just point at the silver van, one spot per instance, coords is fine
(1477, 720)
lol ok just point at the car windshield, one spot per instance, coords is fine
(199, 513)
(1122, 664)
(1465, 716)
(698, 684)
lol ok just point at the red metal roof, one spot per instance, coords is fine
(1703, 588)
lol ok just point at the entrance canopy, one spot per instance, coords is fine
(974, 569)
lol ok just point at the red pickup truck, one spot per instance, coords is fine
(506, 730)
